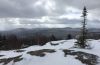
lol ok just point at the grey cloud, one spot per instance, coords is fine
(25, 9)
(91, 4)
(20, 8)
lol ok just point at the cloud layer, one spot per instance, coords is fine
(47, 13)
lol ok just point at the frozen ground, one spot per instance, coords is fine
(59, 53)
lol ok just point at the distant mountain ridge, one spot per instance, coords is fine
(58, 32)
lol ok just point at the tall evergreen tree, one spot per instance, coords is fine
(81, 41)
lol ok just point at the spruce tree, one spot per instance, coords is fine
(81, 41)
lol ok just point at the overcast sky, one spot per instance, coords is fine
(47, 13)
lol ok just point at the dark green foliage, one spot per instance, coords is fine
(81, 41)
(53, 38)
(2, 41)
(69, 36)
(10, 42)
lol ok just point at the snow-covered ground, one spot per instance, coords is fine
(53, 54)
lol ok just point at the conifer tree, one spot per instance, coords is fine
(81, 41)
(69, 36)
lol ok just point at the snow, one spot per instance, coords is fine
(56, 58)
(8, 54)
(65, 45)
(50, 59)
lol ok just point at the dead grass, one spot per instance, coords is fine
(42, 52)
(86, 58)
(7, 60)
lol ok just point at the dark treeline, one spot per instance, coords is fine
(13, 42)
(8, 42)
